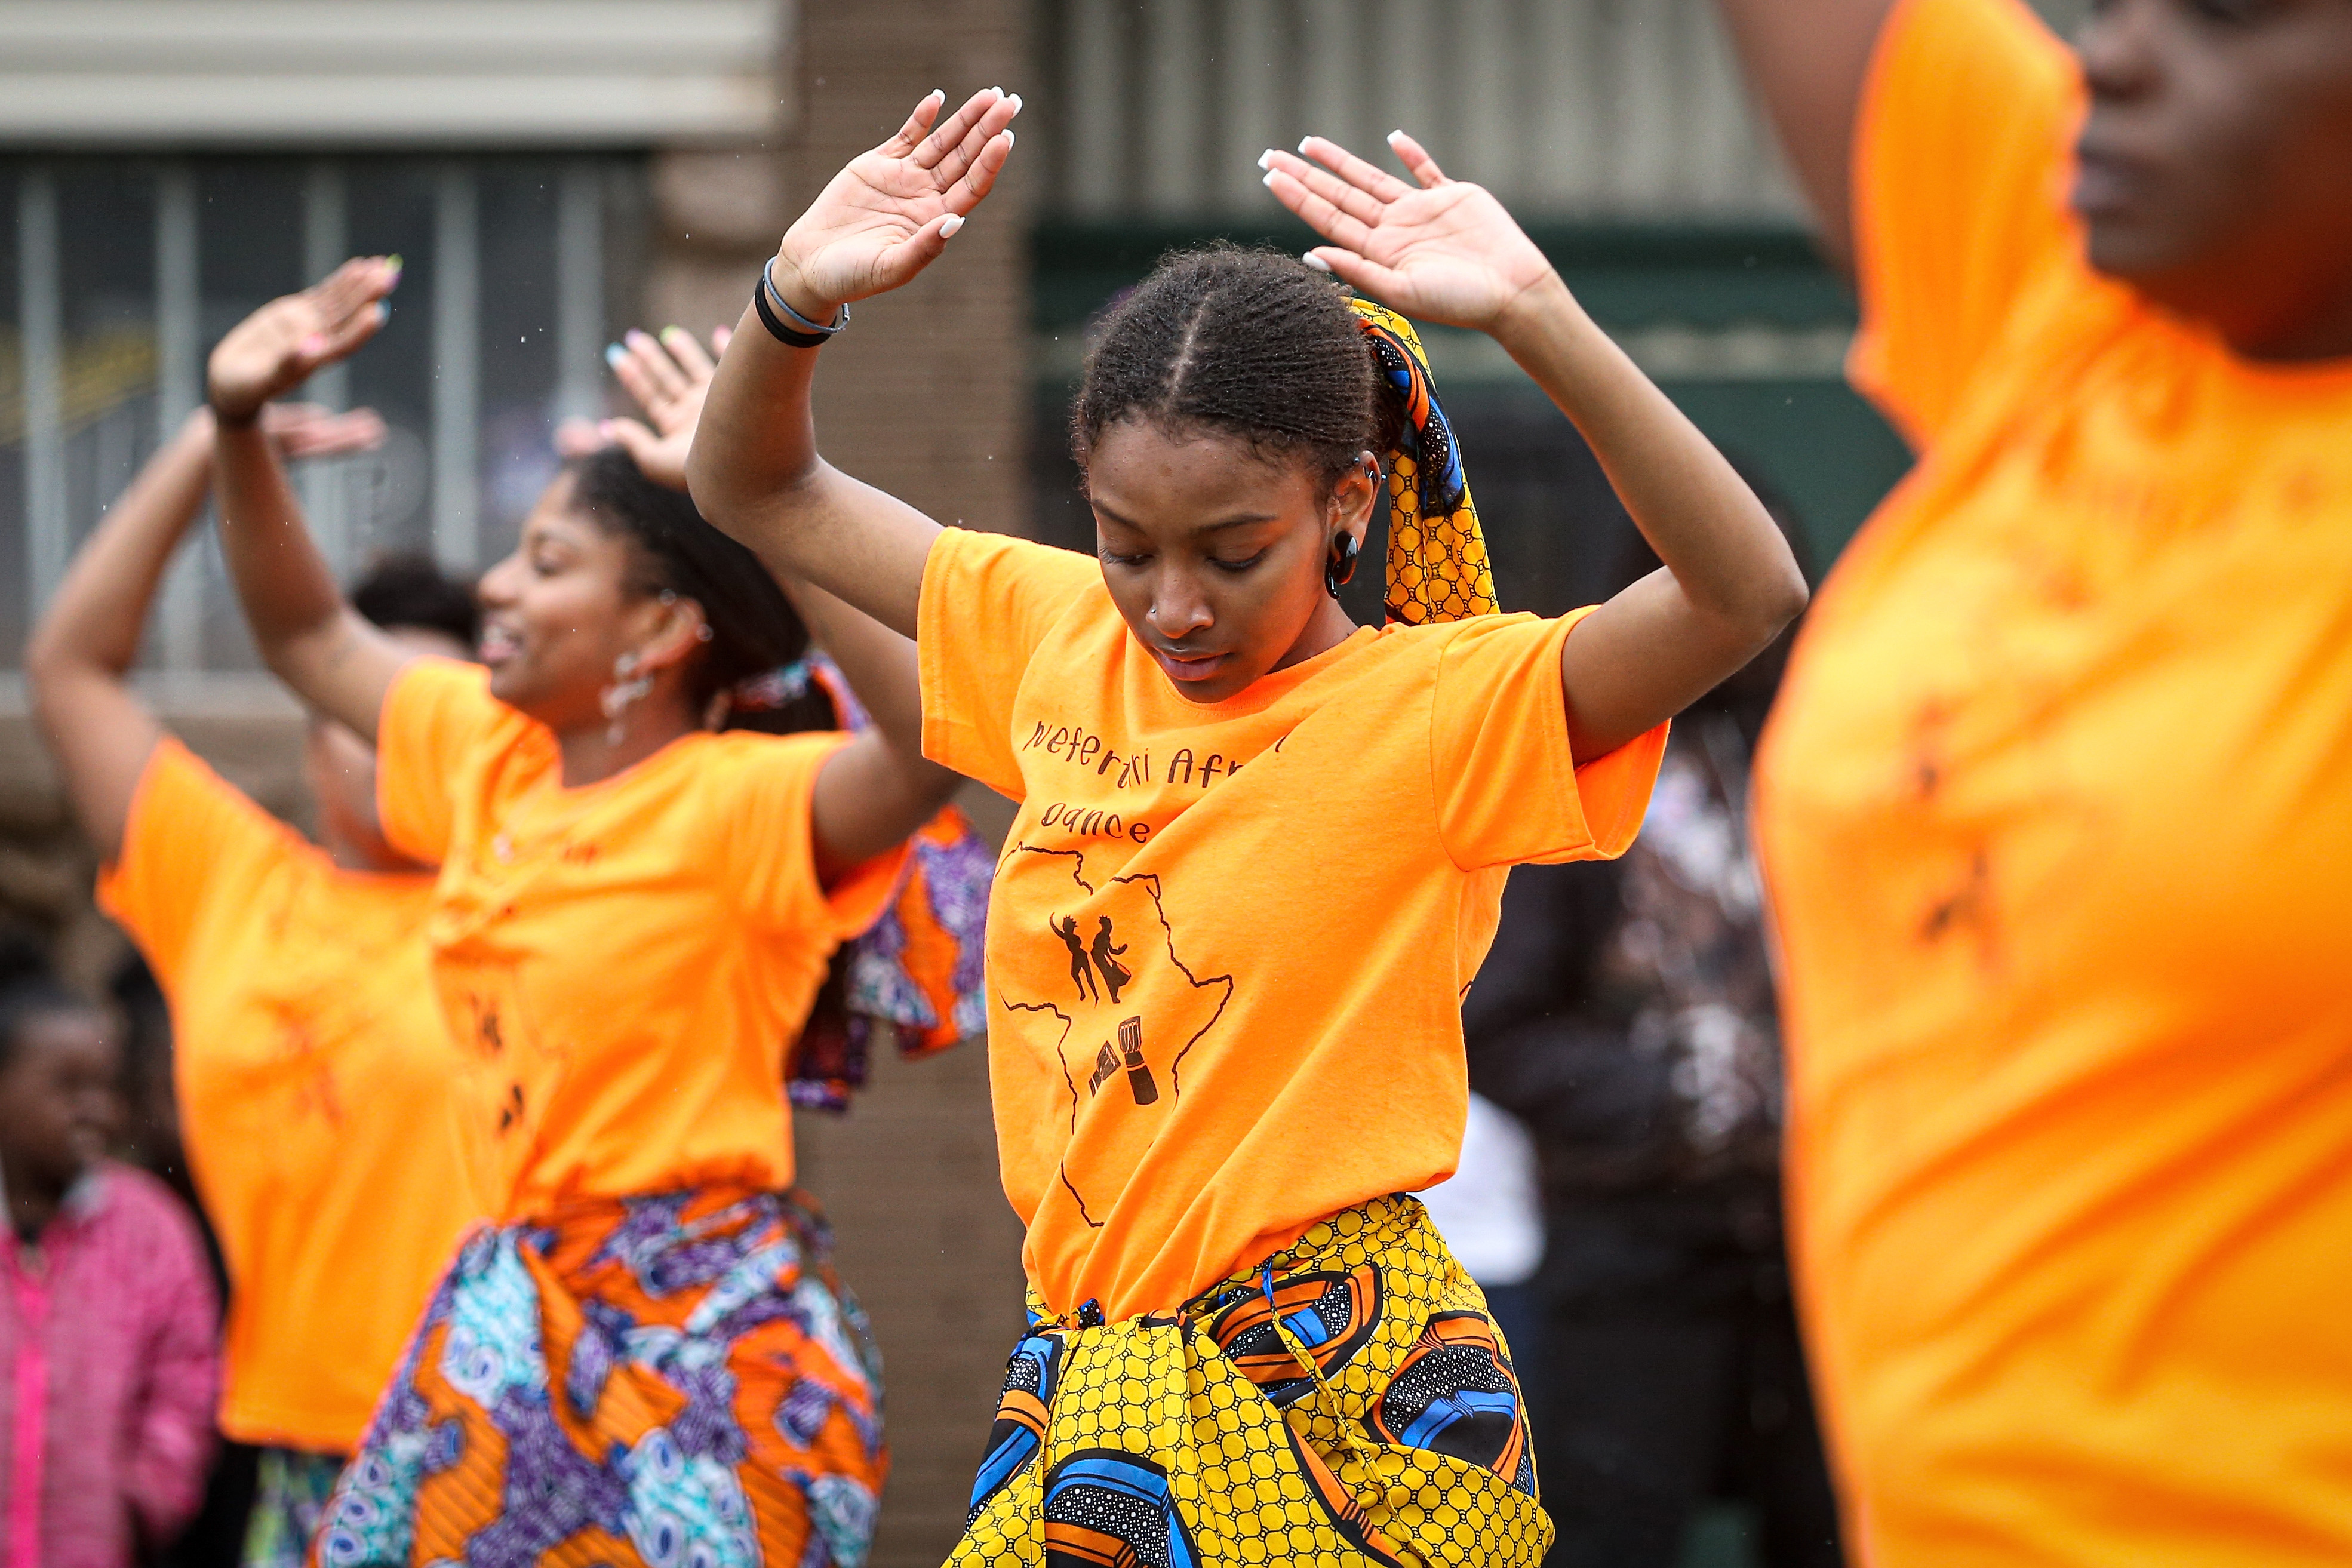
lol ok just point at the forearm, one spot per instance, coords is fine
(879, 664)
(282, 578)
(1806, 63)
(309, 636)
(870, 796)
(1726, 556)
(94, 622)
(755, 472)
(755, 443)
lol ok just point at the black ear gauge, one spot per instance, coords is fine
(1342, 567)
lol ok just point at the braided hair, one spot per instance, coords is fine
(754, 627)
(1247, 343)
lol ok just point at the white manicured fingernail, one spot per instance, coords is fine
(954, 221)
(1015, 102)
(1266, 159)
(1009, 139)
(1396, 136)
(1303, 140)
(1315, 261)
(1269, 181)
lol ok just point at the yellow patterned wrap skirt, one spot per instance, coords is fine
(1348, 1401)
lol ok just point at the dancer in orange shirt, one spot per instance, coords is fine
(314, 1079)
(1260, 849)
(2054, 806)
(646, 1360)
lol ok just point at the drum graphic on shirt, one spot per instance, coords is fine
(1122, 1009)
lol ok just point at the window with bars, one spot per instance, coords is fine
(117, 274)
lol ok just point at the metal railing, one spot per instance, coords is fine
(1617, 108)
(126, 268)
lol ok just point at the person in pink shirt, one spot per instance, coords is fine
(109, 1327)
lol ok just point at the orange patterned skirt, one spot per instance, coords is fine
(668, 1380)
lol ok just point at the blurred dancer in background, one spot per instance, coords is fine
(1627, 1013)
(645, 1359)
(108, 1320)
(2056, 807)
(315, 1084)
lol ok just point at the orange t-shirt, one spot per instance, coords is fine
(317, 1091)
(1227, 945)
(2057, 815)
(624, 963)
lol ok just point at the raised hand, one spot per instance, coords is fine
(1443, 250)
(890, 213)
(670, 377)
(307, 430)
(277, 348)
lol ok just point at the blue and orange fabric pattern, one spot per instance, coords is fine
(1347, 1400)
(915, 974)
(673, 1379)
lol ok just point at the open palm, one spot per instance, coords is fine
(668, 377)
(277, 348)
(1443, 250)
(887, 216)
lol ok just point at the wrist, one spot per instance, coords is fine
(791, 287)
(1540, 308)
(228, 415)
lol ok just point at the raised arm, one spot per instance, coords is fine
(81, 654)
(1446, 251)
(314, 641)
(1807, 60)
(755, 470)
(878, 789)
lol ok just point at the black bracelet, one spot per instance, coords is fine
(764, 291)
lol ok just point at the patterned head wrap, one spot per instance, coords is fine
(1437, 565)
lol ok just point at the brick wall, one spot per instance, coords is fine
(926, 396)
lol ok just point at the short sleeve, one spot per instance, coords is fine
(1508, 791)
(436, 713)
(192, 839)
(1960, 155)
(765, 790)
(988, 601)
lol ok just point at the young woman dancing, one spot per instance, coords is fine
(315, 1087)
(1246, 1347)
(647, 1360)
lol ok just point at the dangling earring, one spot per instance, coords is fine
(616, 699)
(1342, 567)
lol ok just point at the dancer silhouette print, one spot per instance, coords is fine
(1081, 972)
(1114, 973)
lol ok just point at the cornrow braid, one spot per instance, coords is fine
(1251, 342)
